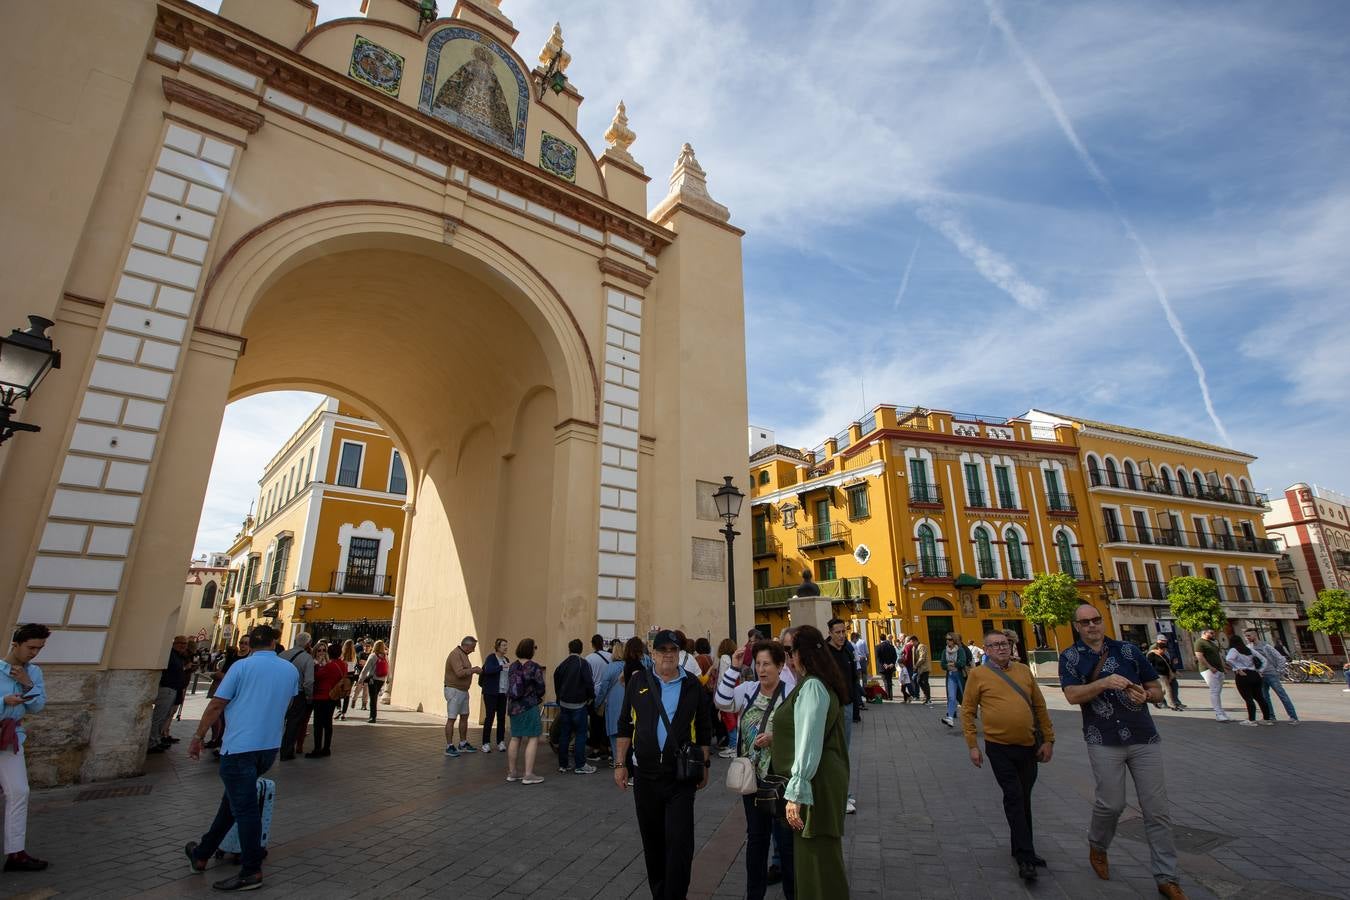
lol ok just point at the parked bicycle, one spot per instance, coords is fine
(1301, 671)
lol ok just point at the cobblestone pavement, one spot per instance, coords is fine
(1260, 814)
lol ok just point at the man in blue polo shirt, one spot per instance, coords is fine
(254, 694)
(1113, 682)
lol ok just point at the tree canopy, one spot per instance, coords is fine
(1195, 603)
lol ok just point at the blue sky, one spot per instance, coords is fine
(990, 206)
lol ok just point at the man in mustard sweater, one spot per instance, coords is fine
(1018, 735)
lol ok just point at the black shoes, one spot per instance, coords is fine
(239, 883)
(22, 862)
(775, 875)
(1026, 871)
(190, 851)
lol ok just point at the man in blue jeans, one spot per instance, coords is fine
(575, 690)
(955, 661)
(255, 693)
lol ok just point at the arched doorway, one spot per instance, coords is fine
(939, 618)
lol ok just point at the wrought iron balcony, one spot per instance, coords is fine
(821, 534)
(765, 547)
(986, 569)
(976, 498)
(1006, 500)
(1340, 559)
(1074, 569)
(1120, 533)
(1179, 487)
(1017, 571)
(934, 567)
(922, 493)
(1060, 503)
(848, 589)
(253, 593)
(1285, 564)
(361, 583)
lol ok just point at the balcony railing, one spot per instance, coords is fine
(1291, 594)
(822, 534)
(986, 569)
(1229, 592)
(765, 547)
(1120, 533)
(1006, 500)
(1060, 503)
(1285, 564)
(976, 498)
(934, 567)
(832, 589)
(361, 583)
(1074, 569)
(254, 592)
(1150, 484)
(925, 493)
(1017, 571)
(1340, 559)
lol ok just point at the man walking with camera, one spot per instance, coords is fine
(1018, 735)
(665, 719)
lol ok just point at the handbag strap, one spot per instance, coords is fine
(998, 670)
(768, 713)
(661, 706)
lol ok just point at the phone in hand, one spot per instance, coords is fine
(32, 696)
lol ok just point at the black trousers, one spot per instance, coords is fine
(323, 724)
(297, 714)
(1249, 688)
(1015, 770)
(494, 706)
(921, 683)
(665, 814)
(888, 676)
(760, 826)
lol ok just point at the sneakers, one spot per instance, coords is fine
(501, 746)
(239, 883)
(511, 777)
(1222, 717)
(563, 770)
(850, 807)
(1293, 721)
(1247, 722)
(486, 748)
(727, 753)
(466, 747)
(587, 769)
(531, 779)
(1267, 721)
(190, 851)
(451, 751)
(948, 721)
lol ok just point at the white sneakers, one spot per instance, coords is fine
(948, 721)
(1247, 722)
(486, 748)
(501, 746)
(1222, 717)
(587, 769)
(850, 807)
(726, 753)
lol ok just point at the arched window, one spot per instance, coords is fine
(1112, 473)
(1198, 483)
(1131, 476)
(209, 596)
(984, 553)
(1183, 481)
(1064, 548)
(928, 556)
(1166, 474)
(764, 476)
(1094, 470)
(1017, 566)
(937, 603)
(1231, 485)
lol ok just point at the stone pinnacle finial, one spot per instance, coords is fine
(553, 49)
(689, 187)
(620, 137)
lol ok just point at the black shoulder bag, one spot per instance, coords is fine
(1037, 736)
(690, 765)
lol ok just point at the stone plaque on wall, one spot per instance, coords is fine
(705, 507)
(710, 560)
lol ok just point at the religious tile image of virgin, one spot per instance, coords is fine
(476, 86)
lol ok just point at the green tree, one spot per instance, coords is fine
(1195, 603)
(1050, 601)
(1330, 614)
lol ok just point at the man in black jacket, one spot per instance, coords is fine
(887, 659)
(665, 804)
(575, 691)
(842, 651)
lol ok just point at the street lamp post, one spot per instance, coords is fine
(25, 359)
(728, 500)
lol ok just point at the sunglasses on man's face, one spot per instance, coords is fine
(1093, 621)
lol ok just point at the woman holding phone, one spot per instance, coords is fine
(23, 691)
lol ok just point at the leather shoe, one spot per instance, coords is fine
(1026, 870)
(775, 875)
(1099, 863)
(190, 851)
(1171, 890)
(239, 882)
(22, 862)
(1036, 860)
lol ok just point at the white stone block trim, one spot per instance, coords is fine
(91, 522)
(616, 586)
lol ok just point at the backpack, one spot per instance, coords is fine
(382, 668)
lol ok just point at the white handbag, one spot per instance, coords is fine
(741, 777)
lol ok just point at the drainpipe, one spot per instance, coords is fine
(409, 510)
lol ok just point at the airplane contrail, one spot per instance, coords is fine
(992, 265)
(904, 279)
(1145, 257)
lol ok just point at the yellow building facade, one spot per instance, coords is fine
(323, 553)
(921, 521)
(1162, 506)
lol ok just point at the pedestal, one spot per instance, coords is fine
(814, 611)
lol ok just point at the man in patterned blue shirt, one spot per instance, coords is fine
(1113, 682)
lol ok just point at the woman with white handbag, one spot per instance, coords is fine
(754, 703)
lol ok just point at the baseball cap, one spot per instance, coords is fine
(665, 637)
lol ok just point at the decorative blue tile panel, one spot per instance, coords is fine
(558, 156)
(376, 66)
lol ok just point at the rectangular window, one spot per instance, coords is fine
(1111, 519)
(1155, 585)
(1054, 495)
(761, 579)
(349, 465)
(398, 479)
(309, 466)
(920, 490)
(1201, 532)
(1142, 533)
(1003, 480)
(1175, 536)
(1238, 584)
(823, 512)
(362, 557)
(857, 502)
(825, 570)
(974, 486)
(1127, 590)
(1212, 573)
(1263, 586)
(277, 578)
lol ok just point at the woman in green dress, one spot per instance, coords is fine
(808, 747)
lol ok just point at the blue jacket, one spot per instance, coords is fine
(490, 680)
